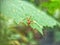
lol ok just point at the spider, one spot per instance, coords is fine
(29, 20)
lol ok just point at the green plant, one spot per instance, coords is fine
(22, 14)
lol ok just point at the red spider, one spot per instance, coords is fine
(29, 21)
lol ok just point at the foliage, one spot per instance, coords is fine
(18, 11)
(51, 6)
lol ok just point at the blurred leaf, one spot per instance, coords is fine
(3, 31)
(57, 14)
(30, 35)
(51, 6)
(20, 10)
(56, 0)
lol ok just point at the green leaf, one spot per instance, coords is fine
(56, 0)
(20, 10)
